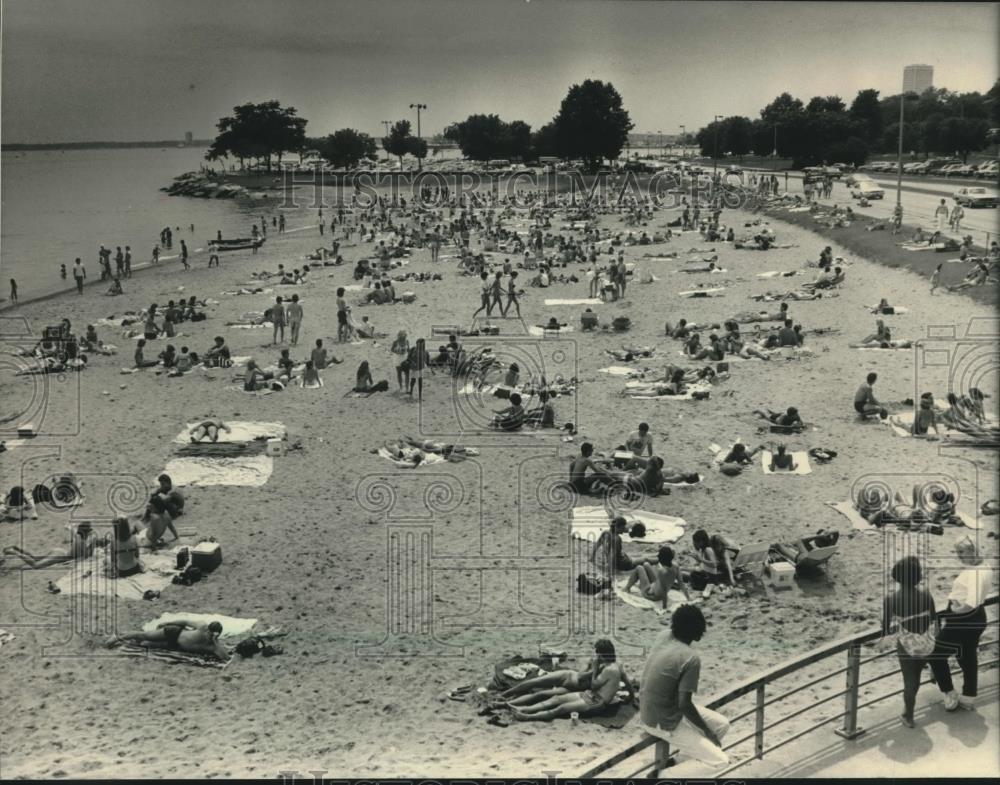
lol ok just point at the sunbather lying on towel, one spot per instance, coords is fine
(793, 551)
(789, 419)
(763, 316)
(440, 448)
(208, 429)
(878, 508)
(193, 637)
(656, 580)
(647, 480)
(552, 683)
(81, 547)
(606, 675)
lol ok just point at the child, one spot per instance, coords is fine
(310, 376)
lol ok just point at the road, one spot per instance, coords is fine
(920, 199)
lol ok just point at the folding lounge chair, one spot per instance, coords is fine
(812, 559)
(751, 559)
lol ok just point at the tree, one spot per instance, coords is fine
(781, 108)
(592, 124)
(483, 137)
(992, 102)
(819, 104)
(399, 142)
(852, 150)
(866, 110)
(259, 131)
(543, 141)
(963, 135)
(344, 148)
(736, 136)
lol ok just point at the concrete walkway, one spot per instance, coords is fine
(956, 744)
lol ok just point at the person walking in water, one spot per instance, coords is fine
(184, 255)
(13, 290)
(128, 261)
(79, 274)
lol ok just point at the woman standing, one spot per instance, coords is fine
(401, 348)
(913, 606)
(964, 623)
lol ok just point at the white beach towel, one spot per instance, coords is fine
(589, 522)
(703, 292)
(241, 431)
(620, 370)
(584, 301)
(890, 348)
(800, 458)
(250, 471)
(674, 599)
(688, 395)
(231, 625)
(536, 330)
(685, 484)
(847, 509)
(89, 577)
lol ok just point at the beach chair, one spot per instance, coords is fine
(751, 560)
(812, 559)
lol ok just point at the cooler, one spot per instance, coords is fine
(206, 556)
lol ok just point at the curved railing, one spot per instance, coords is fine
(758, 685)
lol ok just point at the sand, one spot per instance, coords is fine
(361, 688)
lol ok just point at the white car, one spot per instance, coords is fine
(975, 197)
(855, 178)
(867, 189)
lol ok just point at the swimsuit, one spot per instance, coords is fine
(172, 634)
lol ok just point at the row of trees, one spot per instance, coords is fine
(826, 130)
(591, 125)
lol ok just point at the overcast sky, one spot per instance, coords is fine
(153, 69)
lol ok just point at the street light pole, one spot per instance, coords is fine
(682, 140)
(775, 153)
(715, 147)
(418, 107)
(899, 167)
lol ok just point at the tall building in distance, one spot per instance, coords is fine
(917, 78)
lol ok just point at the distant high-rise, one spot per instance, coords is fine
(188, 137)
(917, 78)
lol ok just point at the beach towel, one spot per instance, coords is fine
(589, 522)
(584, 301)
(249, 326)
(89, 577)
(674, 599)
(429, 458)
(250, 471)
(169, 656)
(847, 509)
(801, 458)
(893, 346)
(703, 292)
(688, 395)
(896, 310)
(231, 625)
(534, 329)
(776, 273)
(619, 370)
(240, 431)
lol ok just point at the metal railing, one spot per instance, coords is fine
(758, 685)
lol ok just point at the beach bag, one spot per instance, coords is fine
(621, 323)
(698, 581)
(588, 584)
(638, 530)
(916, 644)
(381, 386)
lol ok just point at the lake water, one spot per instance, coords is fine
(57, 205)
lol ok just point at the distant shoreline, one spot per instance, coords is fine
(18, 147)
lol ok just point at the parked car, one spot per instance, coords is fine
(975, 196)
(857, 177)
(988, 170)
(867, 189)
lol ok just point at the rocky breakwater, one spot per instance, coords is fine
(204, 186)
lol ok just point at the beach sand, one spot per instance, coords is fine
(361, 687)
